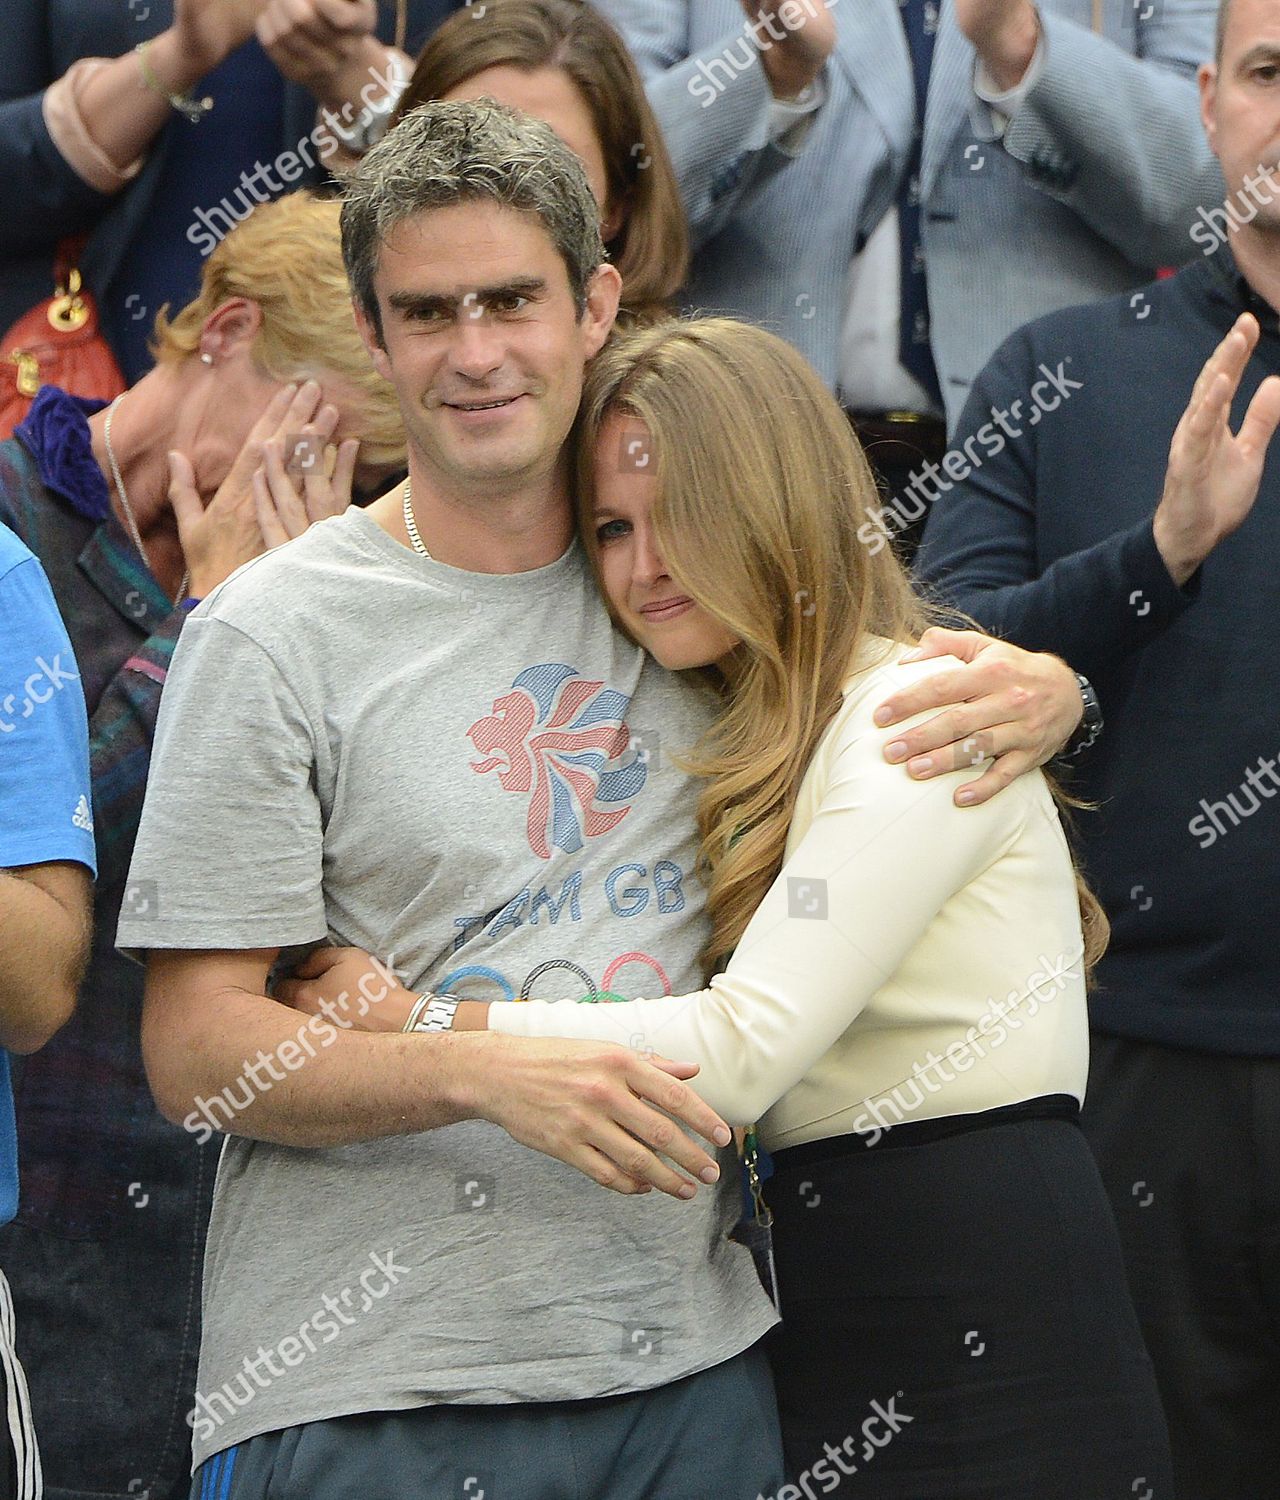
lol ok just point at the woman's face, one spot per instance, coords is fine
(241, 395)
(229, 395)
(645, 597)
(550, 95)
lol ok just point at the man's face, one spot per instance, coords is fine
(1240, 107)
(483, 343)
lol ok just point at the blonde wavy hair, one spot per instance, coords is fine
(286, 256)
(762, 487)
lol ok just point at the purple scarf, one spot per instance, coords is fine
(56, 434)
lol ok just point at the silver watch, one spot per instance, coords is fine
(367, 131)
(431, 1013)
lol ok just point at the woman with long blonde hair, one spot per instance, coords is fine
(896, 987)
(902, 995)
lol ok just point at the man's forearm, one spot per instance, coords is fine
(44, 948)
(256, 1068)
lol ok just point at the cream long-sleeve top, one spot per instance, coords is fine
(912, 960)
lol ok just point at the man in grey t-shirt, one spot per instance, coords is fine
(453, 760)
(413, 731)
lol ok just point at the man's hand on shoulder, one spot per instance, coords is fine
(1015, 707)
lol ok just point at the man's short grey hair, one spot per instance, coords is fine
(465, 151)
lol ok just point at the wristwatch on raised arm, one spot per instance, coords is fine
(1090, 727)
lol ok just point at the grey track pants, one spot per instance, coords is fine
(710, 1436)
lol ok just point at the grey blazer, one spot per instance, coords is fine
(1093, 188)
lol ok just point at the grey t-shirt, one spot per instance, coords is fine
(469, 774)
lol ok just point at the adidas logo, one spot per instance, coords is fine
(83, 815)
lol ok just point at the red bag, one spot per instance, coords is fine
(59, 342)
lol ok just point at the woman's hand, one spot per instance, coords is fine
(207, 31)
(601, 1108)
(349, 988)
(325, 478)
(330, 47)
(1017, 706)
(217, 538)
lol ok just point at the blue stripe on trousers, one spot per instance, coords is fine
(215, 1480)
(230, 1457)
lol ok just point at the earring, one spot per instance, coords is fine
(206, 359)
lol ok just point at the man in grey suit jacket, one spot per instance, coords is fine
(1081, 184)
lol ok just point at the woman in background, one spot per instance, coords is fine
(562, 62)
(104, 133)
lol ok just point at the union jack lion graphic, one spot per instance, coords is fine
(562, 739)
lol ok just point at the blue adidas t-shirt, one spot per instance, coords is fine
(45, 800)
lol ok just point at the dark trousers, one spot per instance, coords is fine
(956, 1324)
(1188, 1144)
(109, 1319)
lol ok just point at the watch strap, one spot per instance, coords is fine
(431, 1013)
(1090, 726)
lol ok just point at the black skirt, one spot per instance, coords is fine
(956, 1321)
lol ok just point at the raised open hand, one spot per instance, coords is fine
(1212, 479)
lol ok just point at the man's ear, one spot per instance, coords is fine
(372, 342)
(604, 292)
(1207, 78)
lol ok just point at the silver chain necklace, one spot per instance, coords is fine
(124, 500)
(410, 525)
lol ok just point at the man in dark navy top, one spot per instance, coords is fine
(1137, 535)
